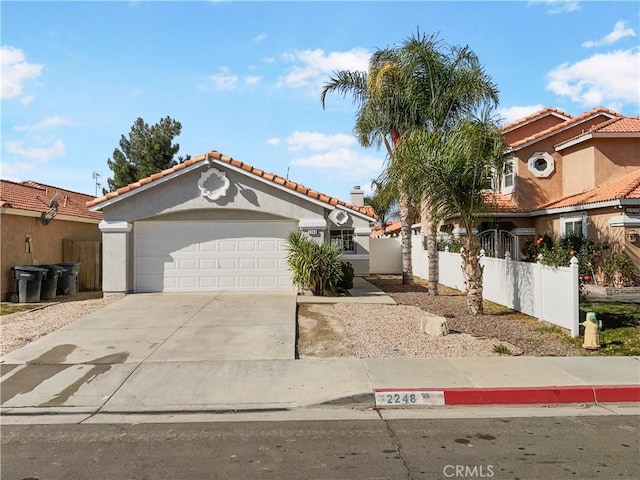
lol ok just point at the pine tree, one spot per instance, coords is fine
(148, 150)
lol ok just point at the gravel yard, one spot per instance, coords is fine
(21, 328)
(387, 331)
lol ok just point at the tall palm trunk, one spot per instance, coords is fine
(472, 271)
(430, 231)
(405, 237)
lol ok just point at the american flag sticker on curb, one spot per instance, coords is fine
(405, 398)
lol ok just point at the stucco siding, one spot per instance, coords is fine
(578, 169)
(46, 243)
(615, 158)
(181, 194)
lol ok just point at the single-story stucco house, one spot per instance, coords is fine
(215, 223)
(36, 220)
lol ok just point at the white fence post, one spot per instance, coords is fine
(573, 264)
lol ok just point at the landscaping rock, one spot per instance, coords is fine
(435, 326)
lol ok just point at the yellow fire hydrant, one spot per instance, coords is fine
(591, 332)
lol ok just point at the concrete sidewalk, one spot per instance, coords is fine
(285, 384)
(164, 371)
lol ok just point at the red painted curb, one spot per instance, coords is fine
(502, 396)
(531, 395)
(620, 393)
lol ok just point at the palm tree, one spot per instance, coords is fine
(384, 113)
(455, 174)
(384, 201)
(449, 84)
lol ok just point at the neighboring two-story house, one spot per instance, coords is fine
(569, 175)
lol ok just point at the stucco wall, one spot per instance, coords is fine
(532, 128)
(46, 243)
(182, 194)
(180, 199)
(579, 170)
(598, 229)
(615, 158)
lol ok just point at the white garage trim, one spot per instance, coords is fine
(175, 256)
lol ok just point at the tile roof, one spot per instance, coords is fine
(534, 116)
(501, 203)
(626, 187)
(566, 124)
(612, 127)
(271, 177)
(35, 197)
(390, 228)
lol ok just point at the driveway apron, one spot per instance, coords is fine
(84, 364)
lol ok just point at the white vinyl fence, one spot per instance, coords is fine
(547, 293)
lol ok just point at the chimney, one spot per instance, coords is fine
(357, 196)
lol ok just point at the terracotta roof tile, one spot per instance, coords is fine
(567, 123)
(389, 228)
(623, 188)
(366, 210)
(35, 197)
(501, 203)
(534, 116)
(613, 126)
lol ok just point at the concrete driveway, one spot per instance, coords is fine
(84, 363)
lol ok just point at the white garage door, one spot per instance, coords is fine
(207, 256)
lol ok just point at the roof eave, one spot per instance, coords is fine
(566, 127)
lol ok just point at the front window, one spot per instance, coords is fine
(508, 177)
(574, 226)
(344, 239)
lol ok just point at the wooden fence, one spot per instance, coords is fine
(89, 254)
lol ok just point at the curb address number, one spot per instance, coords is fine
(406, 398)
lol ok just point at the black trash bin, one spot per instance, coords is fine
(29, 282)
(50, 283)
(68, 282)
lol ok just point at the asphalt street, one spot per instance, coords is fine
(557, 447)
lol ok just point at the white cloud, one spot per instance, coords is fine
(260, 38)
(318, 141)
(27, 99)
(40, 154)
(55, 121)
(224, 80)
(558, 6)
(15, 71)
(602, 79)
(274, 141)
(14, 171)
(619, 31)
(343, 161)
(516, 112)
(252, 80)
(313, 67)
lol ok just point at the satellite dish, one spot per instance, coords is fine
(53, 203)
(339, 217)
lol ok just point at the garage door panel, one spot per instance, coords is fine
(192, 256)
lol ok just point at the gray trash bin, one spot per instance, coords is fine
(29, 282)
(68, 282)
(50, 283)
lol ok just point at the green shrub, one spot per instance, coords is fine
(454, 244)
(619, 270)
(314, 265)
(346, 282)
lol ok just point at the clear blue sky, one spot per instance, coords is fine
(244, 78)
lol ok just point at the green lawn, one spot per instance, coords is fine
(620, 333)
(9, 308)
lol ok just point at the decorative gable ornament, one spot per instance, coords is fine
(213, 184)
(339, 217)
(541, 164)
